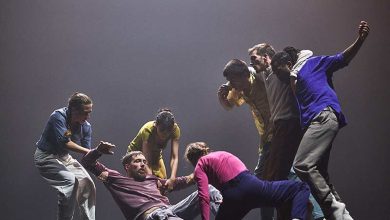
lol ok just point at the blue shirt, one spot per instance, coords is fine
(56, 133)
(314, 89)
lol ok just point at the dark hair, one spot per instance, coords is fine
(194, 151)
(263, 49)
(280, 58)
(236, 67)
(127, 158)
(293, 52)
(77, 100)
(165, 119)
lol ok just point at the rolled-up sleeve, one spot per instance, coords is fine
(61, 133)
(87, 135)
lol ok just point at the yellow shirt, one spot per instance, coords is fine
(258, 102)
(148, 132)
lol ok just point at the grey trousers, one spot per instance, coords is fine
(311, 160)
(71, 181)
(187, 208)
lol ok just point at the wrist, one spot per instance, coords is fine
(98, 151)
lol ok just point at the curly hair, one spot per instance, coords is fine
(196, 150)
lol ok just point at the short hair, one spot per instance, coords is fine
(127, 158)
(194, 151)
(236, 67)
(280, 58)
(293, 52)
(77, 100)
(165, 119)
(263, 49)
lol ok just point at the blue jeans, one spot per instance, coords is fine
(246, 192)
(187, 208)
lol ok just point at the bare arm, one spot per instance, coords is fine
(174, 157)
(70, 145)
(145, 151)
(169, 184)
(352, 50)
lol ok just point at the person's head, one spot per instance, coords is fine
(165, 122)
(282, 63)
(293, 52)
(80, 107)
(135, 165)
(237, 73)
(261, 56)
(195, 151)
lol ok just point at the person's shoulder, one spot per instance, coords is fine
(86, 125)
(59, 114)
(148, 127)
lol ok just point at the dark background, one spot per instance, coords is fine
(133, 57)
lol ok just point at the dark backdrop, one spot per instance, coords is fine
(133, 57)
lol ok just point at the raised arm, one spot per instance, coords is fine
(89, 161)
(352, 50)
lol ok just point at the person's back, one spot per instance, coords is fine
(241, 190)
(220, 167)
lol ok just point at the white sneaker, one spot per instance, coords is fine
(346, 215)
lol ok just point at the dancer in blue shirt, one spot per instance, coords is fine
(321, 117)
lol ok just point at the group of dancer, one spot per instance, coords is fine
(296, 112)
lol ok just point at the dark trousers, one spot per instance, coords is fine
(285, 142)
(246, 192)
(311, 160)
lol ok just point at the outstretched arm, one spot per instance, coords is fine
(89, 161)
(352, 50)
(178, 183)
(174, 163)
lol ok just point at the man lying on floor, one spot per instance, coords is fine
(137, 194)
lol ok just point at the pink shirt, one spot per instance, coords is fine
(215, 168)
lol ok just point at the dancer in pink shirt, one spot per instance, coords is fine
(241, 191)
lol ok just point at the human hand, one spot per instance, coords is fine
(105, 147)
(163, 189)
(223, 91)
(169, 184)
(364, 29)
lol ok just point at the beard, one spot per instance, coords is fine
(138, 175)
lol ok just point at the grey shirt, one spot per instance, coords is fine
(283, 105)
